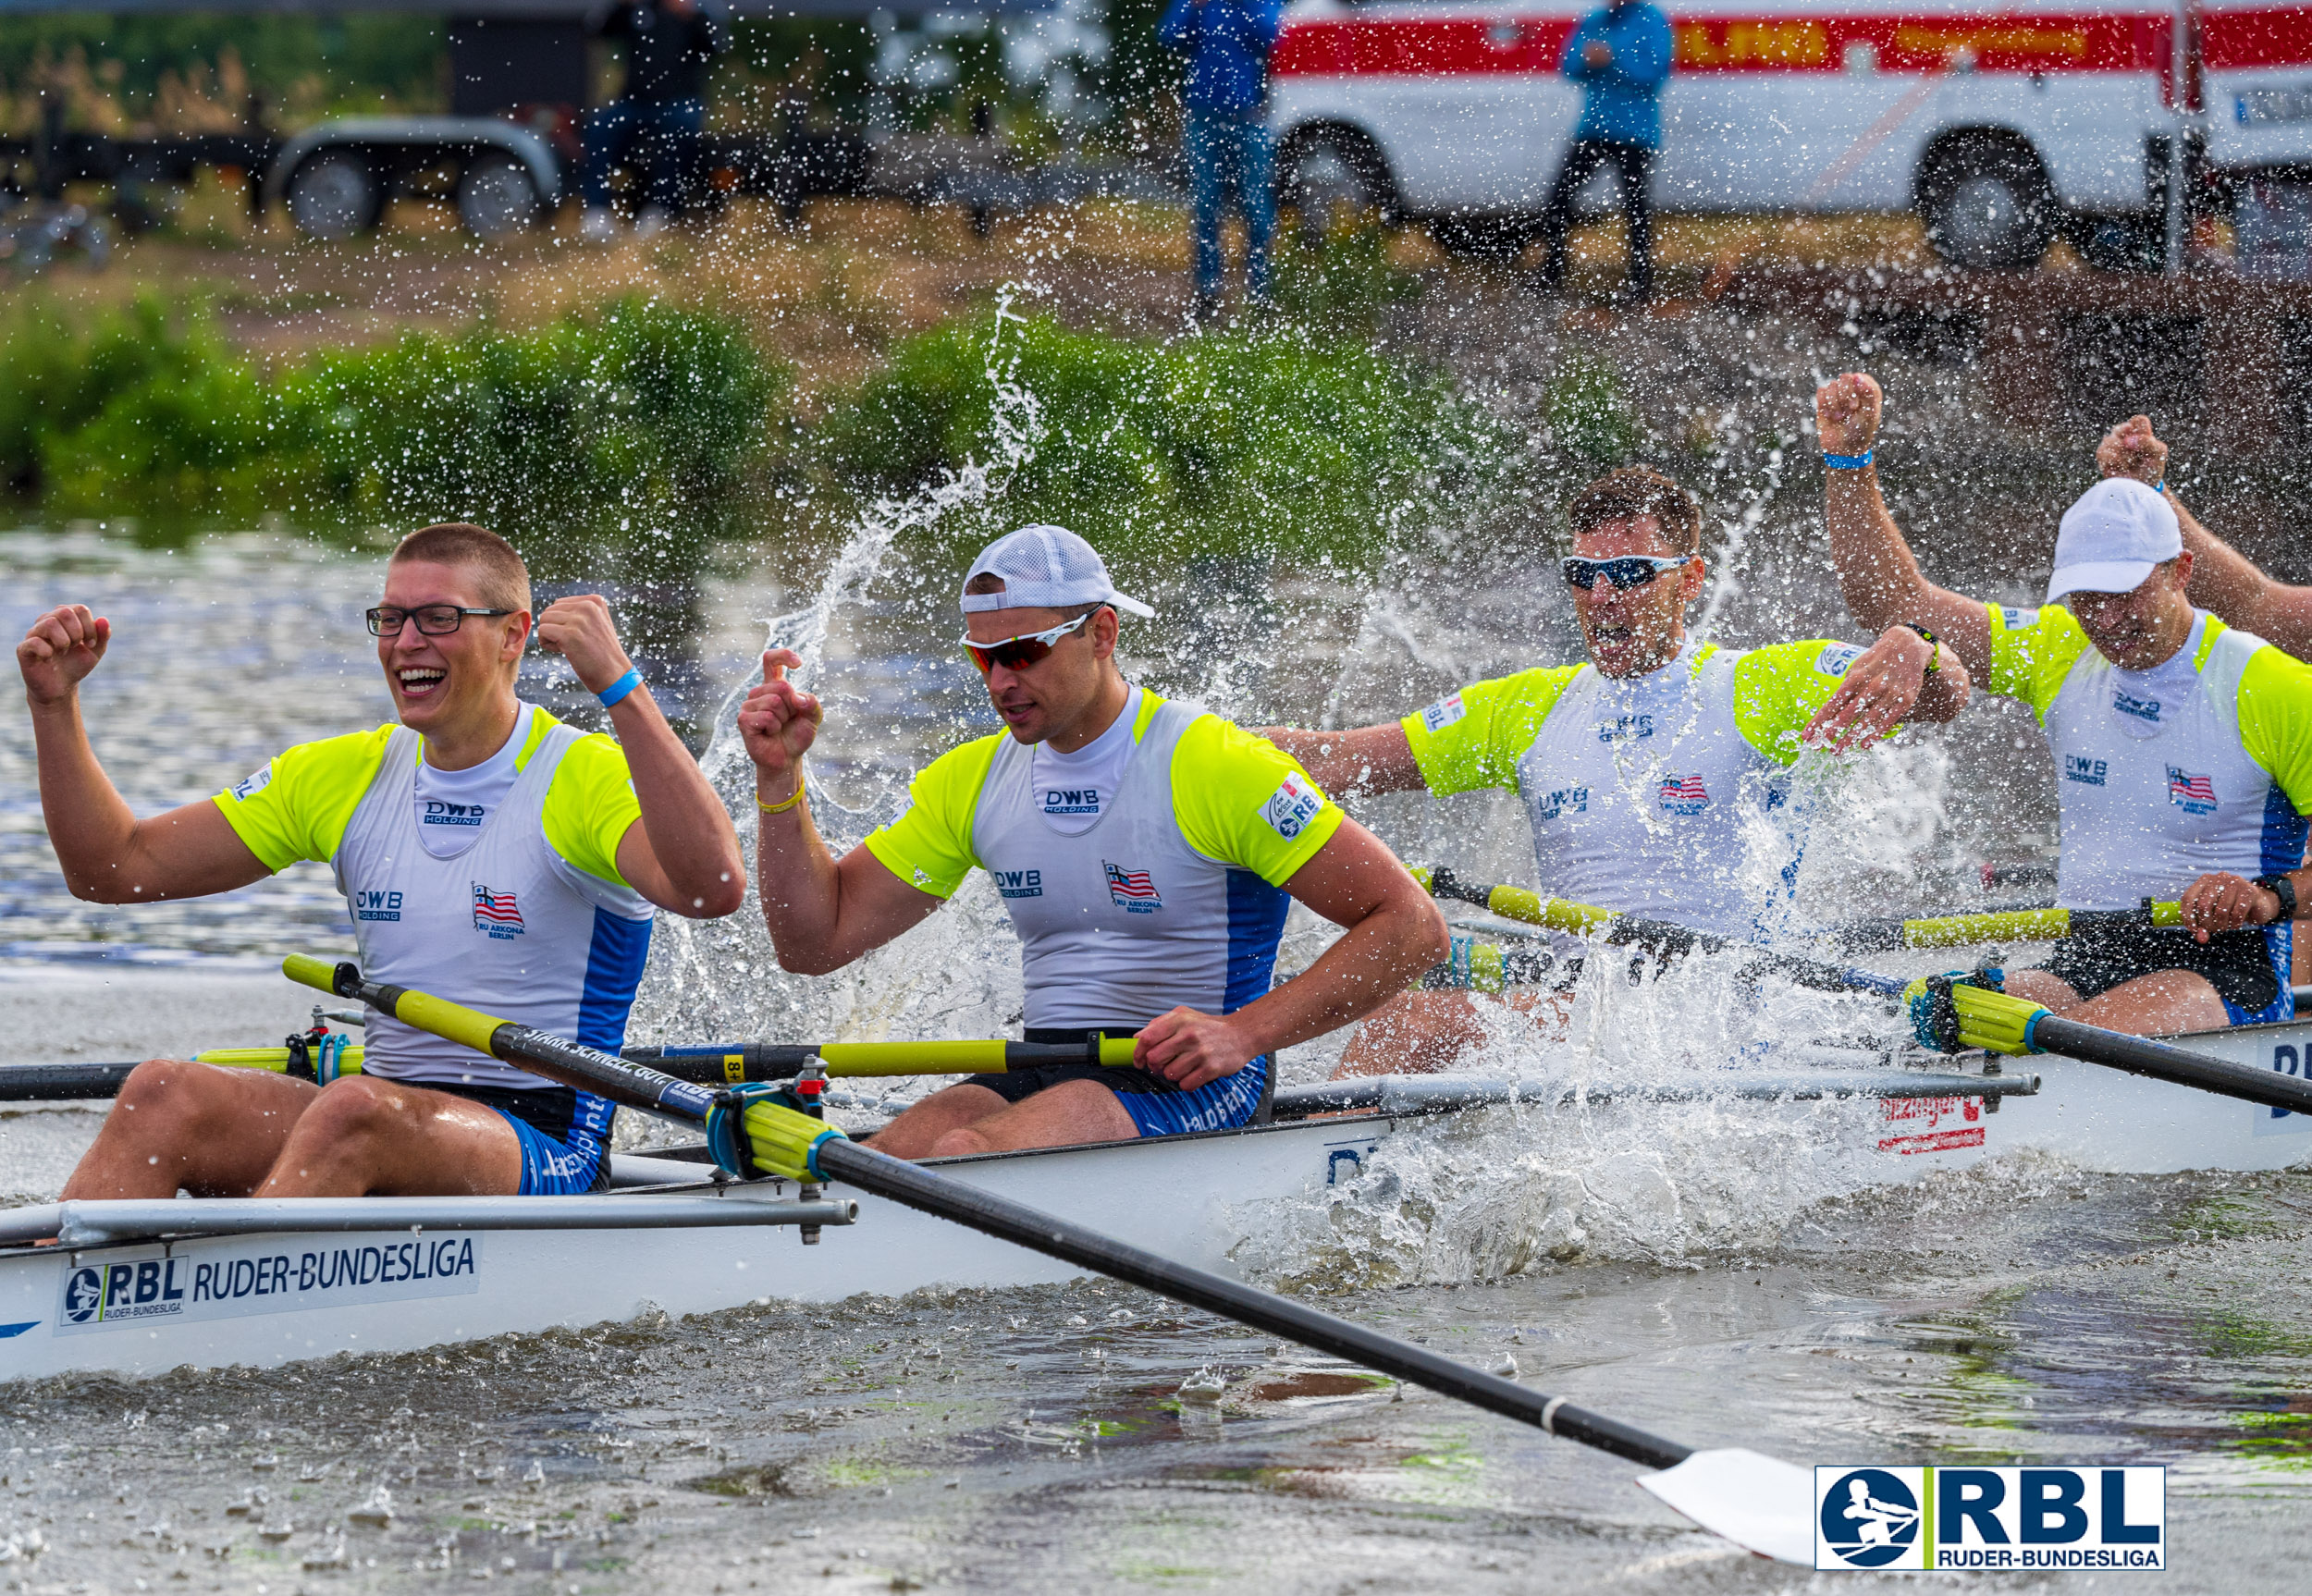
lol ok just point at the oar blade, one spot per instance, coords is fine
(1761, 1503)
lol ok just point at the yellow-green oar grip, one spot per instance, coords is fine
(451, 1021)
(851, 1059)
(307, 971)
(274, 1058)
(2166, 914)
(1519, 904)
(2009, 926)
(1422, 874)
(1116, 1049)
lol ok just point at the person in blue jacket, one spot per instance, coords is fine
(1227, 43)
(1620, 55)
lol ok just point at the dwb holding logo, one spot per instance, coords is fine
(1920, 1517)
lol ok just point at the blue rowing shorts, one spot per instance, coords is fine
(1158, 1107)
(564, 1133)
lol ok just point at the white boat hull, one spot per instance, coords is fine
(2104, 1120)
(264, 1300)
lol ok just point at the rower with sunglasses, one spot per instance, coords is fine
(487, 851)
(1641, 770)
(1146, 851)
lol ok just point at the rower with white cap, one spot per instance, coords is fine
(2183, 746)
(1146, 851)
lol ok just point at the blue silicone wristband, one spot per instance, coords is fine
(620, 688)
(1848, 462)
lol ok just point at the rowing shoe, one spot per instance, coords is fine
(1755, 1501)
(1949, 1013)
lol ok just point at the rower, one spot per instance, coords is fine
(1145, 849)
(1645, 769)
(484, 849)
(2183, 746)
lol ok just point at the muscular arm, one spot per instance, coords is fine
(1395, 932)
(823, 913)
(2227, 582)
(109, 855)
(682, 854)
(1878, 574)
(1369, 759)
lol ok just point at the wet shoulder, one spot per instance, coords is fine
(1778, 688)
(1475, 737)
(590, 803)
(930, 844)
(2032, 652)
(298, 803)
(1241, 800)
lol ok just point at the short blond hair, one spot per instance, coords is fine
(502, 582)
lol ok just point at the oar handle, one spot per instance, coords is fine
(733, 1062)
(983, 1210)
(540, 1052)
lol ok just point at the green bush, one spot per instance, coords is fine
(1246, 442)
(635, 423)
(640, 416)
(1589, 416)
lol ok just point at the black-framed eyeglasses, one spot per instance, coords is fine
(433, 620)
(1623, 572)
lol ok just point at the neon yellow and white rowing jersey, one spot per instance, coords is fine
(530, 920)
(1173, 897)
(1643, 790)
(2202, 763)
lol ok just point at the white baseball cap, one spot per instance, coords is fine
(1045, 568)
(2111, 537)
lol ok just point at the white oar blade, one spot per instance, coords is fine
(1759, 1502)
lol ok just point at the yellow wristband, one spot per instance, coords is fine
(783, 805)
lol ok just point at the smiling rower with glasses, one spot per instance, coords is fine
(487, 851)
(1146, 851)
(1641, 770)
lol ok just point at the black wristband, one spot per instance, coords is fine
(1933, 647)
(2285, 889)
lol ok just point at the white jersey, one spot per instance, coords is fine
(1661, 795)
(553, 946)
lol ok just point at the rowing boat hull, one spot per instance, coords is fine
(264, 1300)
(2101, 1119)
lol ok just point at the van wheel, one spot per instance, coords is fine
(1332, 179)
(1989, 205)
(496, 196)
(334, 195)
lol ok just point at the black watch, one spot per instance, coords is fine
(1933, 647)
(2285, 889)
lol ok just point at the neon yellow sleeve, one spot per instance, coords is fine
(1474, 738)
(591, 805)
(2031, 651)
(930, 845)
(2276, 722)
(297, 806)
(1778, 689)
(1243, 800)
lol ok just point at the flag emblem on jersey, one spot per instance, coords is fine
(1131, 891)
(1684, 794)
(497, 913)
(2193, 795)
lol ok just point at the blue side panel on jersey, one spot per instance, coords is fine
(2283, 833)
(1255, 924)
(613, 970)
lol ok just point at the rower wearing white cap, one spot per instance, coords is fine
(1146, 851)
(2184, 746)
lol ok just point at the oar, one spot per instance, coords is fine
(2000, 926)
(1585, 919)
(1963, 1015)
(1755, 1501)
(712, 1063)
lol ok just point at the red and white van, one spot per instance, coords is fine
(2004, 125)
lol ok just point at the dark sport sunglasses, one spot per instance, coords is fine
(1621, 573)
(1017, 653)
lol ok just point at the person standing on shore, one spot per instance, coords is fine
(1620, 55)
(670, 47)
(1227, 43)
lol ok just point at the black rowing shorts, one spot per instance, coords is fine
(2247, 967)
